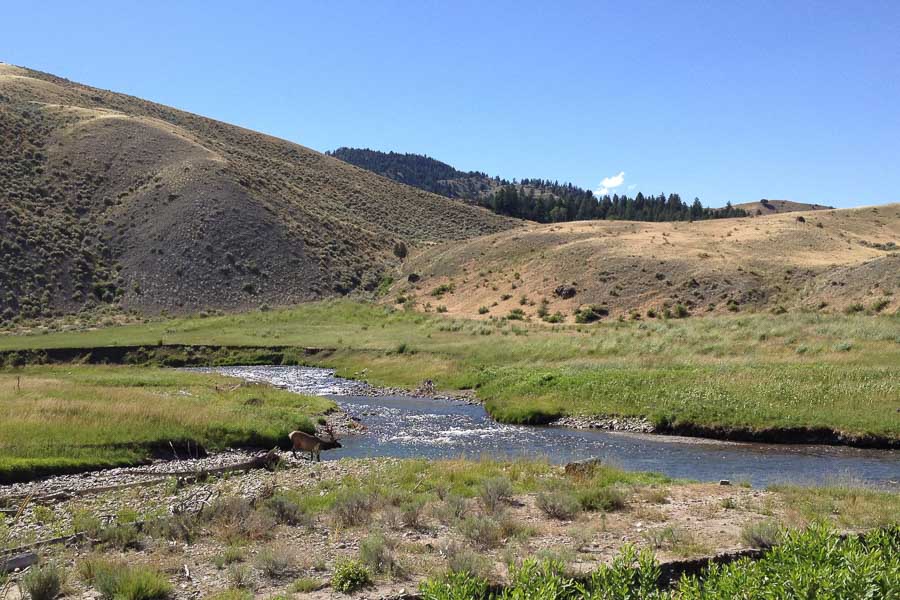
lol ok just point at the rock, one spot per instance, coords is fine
(724, 482)
(565, 291)
(582, 468)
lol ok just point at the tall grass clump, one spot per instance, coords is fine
(44, 582)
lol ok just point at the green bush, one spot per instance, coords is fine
(591, 313)
(350, 576)
(287, 510)
(457, 585)
(274, 562)
(44, 582)
(605, 498)
(558, 505)
(352, 508)
(494, 492)
(377, 553)
(484, 532)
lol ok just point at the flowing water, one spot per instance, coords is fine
(413, 427)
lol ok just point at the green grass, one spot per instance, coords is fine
(732, 371)
(75, 417)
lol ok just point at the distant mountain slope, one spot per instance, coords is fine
(110, 199)
(533, 199)
(834, 261)
(774, 207)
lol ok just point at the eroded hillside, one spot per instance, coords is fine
(110, 199)
(835, 260)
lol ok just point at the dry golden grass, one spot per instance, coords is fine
(832, 260)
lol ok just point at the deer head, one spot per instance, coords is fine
(331, 441)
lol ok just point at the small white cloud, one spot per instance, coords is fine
(607, 184)
(632, 187)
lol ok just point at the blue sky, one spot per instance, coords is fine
(726, 100)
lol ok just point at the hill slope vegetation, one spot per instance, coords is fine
(107, 199)
(538, 200)
(834, 260)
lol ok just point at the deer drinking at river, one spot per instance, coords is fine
(312, 443)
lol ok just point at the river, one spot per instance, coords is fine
(414, 427)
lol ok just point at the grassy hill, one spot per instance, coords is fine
(107, 199)
(774, 207)
(835, 260)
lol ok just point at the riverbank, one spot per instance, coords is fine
(72, 418)
(402, 521)
(804, 378)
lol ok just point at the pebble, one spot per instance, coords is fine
(629, 424)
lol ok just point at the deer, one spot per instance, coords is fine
(313, 443)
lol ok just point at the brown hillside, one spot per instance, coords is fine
(110, 199)
(774, 207)
(825, 260)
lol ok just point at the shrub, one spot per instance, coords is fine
(681, 311)
(484, 532)
(444, 288)
(483, 310)
(880, 305)
(240, 576)
(350, 576)
(453, 509)
(558, 505)
(121, 537)
(606, 498)
(377, 553)
(411, 513)
(591, 313)
(516, 314)
(44, 582)
(287, 511)
(229, 556)
(274, 562)
(175, 527)
(494, 492)
(352, 508)
(762, 534)
(854, 308)
(87, 522)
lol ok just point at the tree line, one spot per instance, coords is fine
(538, 200)
(546, 202)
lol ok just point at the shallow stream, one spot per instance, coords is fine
(414, 427)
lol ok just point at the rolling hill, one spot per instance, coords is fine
(774, 207)
(834, 260)
(107, 199)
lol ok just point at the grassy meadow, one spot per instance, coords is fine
(73, 417)
(753, 371)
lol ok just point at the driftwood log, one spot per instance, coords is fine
(264, 461)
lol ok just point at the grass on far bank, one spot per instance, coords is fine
(73, 417)
(754, 371)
